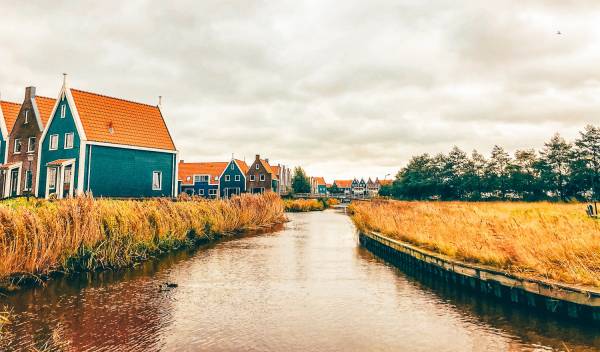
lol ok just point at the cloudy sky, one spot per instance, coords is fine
(343, 88)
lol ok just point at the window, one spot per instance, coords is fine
(227, 177)
(262, 177)
(69, 140)
(201, 178)
(212, 192)
(52, 178)
(63, 111)
(257, 166)
(17, 147)
(31, 145)
(156, 180)
(237, 177)
(189, 178)
(54, 142)
(216, 178)
(28, 180)
(200, 192)
(26, 116)
(232, 166)
(251, 177)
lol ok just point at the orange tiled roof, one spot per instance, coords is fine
(242, 165)
(320, 181)
(385, 182)
(45, 106)
(131, 123)
(58, 162)
(275, 170)
(209, 168)
(343, 183)
(267, 166)
(10, 112)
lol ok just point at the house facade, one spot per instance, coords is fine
(284, 179)
(20, 169)
(318, 186)
(233, 179)
(373, 187)
(201, 179)
(8, 115)
(259, 178)
(105, 146)
(343, 186)
(359, 188)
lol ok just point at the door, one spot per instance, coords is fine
(14, 182)
(66, 189)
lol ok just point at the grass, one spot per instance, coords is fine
(304, 205)
(40, 237)
(539, 240)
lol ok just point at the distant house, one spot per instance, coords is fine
(260, 178)
(359, 188)
(20, 169)
(284, 178)
(343, 186)
(201, 179)
(232, 180)
(372, 187)
(107, 146)
(318, 185)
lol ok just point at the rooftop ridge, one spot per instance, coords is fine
(115, 98)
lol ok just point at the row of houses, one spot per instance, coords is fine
(83, 142)
(355, 187)
(225, 179)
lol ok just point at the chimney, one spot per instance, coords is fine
(257, 156)
(181, 161)
(29, 93)
(159, 100)
(267, 160)
(64, 79)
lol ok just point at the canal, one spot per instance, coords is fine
(306, 287)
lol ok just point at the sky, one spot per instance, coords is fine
(343, 88)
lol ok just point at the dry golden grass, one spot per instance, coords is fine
(302, 205)
(540, 240)
(85, 234)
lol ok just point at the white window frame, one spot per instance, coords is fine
(257, 166)
(201, 192)
(29, 144)
(52, 172)
(263, 177)
(26, 186)
(26, 117)
(67, 135)
(237, 177)
(212, 192)
(232, 166)
(55, 138)
(154, 186)
(251, 177)
(63, 111)
(201, 178)
(227, 178)
(17, 143)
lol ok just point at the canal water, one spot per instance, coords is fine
(307, 287)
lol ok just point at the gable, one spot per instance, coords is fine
(117, 121)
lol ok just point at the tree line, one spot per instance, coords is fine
(560, 171)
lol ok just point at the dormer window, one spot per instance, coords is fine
(63, 111)
(26, 116)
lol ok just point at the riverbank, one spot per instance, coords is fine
(39, 237)
(544, 241)
(304, 205)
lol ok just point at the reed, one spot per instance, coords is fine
(40, 237)
(540, 240)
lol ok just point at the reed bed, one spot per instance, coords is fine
(40, 237)
(303, 205)
(539, 240)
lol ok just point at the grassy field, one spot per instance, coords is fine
(303, 205)
(39, 237)
(540, 240)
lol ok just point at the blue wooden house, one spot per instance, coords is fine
(233, 179)
(107, 146)
(201, 179)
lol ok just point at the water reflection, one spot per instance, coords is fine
(308, 287)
